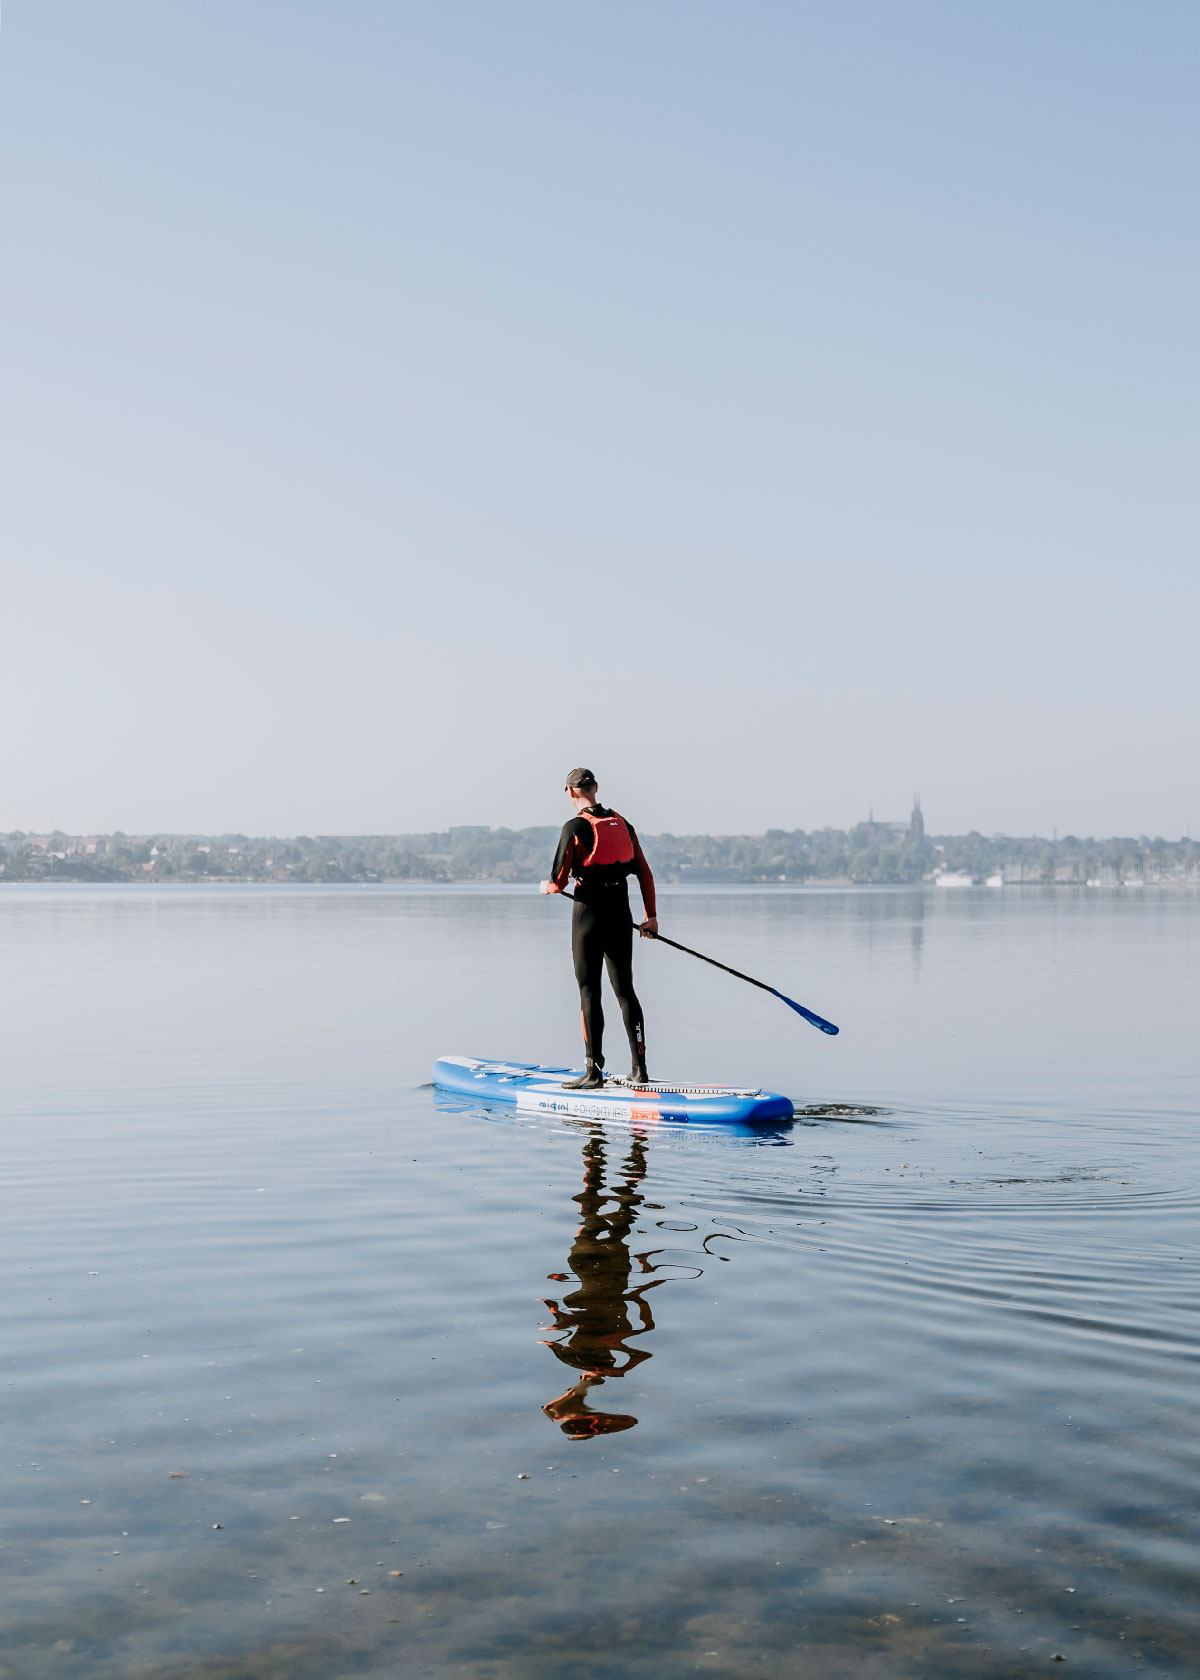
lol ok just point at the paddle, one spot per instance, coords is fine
(816, 1020)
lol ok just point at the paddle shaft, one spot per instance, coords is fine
(817, 1020)
(736, 972)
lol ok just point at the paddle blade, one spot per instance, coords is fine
(817, 1021)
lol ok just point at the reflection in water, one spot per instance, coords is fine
(917, 933)
(596, 1320)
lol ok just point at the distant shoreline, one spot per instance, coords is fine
(1190, 882)
(869, 854)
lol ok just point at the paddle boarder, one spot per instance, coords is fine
(601, 850)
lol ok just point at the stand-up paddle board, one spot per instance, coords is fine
(526, 1085)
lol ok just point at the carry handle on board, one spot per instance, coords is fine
(816, 1020)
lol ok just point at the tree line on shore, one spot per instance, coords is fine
(868, 853)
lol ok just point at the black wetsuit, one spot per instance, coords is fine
(602, 931)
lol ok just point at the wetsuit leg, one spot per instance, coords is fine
(618, 952)
(587, 950)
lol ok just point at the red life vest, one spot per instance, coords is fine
(611, 841)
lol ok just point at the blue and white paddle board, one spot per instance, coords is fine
(539, 1090)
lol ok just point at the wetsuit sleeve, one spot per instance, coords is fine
(565, 855)
(642, 870)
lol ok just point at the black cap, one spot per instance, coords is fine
(580, 779)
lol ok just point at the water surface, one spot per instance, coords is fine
(310, 1375)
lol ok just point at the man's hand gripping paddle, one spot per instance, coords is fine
(816, 1020)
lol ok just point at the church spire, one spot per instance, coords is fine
(916, 824)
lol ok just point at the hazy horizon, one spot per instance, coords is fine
(881, 817)
(778, 408)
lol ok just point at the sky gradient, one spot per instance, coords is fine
(780, 408)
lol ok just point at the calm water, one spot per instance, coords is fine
(906, 1393)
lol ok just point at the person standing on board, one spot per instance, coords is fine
(601, 850)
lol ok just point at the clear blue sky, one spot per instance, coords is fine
(779, 407)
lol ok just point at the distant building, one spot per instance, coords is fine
(893, 833)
